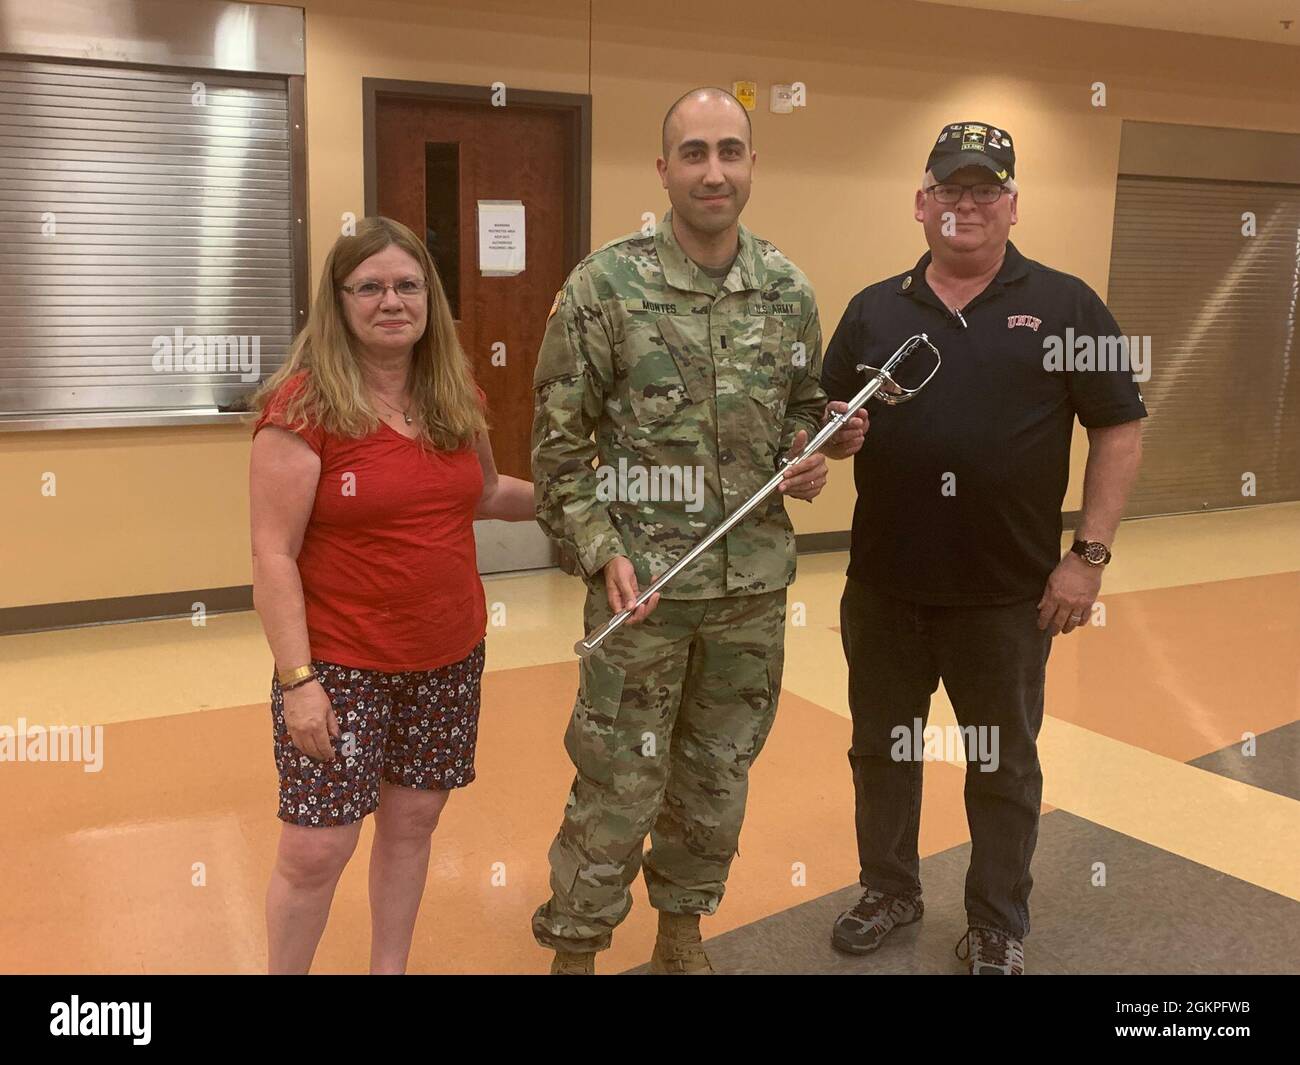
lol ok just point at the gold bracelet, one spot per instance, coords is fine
(294, 675)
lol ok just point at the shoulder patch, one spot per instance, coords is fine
(555, 306)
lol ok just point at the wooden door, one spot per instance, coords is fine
(435, 159)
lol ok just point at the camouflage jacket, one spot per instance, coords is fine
(692, 391)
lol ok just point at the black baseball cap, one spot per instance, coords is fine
(972, 144)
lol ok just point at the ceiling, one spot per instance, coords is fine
(1251, 20)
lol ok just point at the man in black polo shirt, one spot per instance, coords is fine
(955, 569)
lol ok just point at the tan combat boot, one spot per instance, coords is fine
(678, 950)
(574, 963)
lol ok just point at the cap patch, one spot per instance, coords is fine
(974, 138)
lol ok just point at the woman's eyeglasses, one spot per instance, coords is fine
(409, 289)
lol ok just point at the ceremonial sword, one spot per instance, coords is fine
(881, 377)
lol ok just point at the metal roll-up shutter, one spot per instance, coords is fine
(1220, 308)
(143, 211)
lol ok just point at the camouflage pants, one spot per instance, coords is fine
(670, 715)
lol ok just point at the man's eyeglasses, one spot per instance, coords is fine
(982, 194)
(409, 289)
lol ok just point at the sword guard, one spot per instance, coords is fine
(901, 394)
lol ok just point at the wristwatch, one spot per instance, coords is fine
(1093, 552)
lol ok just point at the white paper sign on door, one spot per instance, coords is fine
(500, 237)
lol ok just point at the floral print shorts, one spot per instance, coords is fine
(415, 729)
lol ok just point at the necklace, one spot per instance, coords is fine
(403, 413)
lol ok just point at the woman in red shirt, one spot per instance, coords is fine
(365, 484)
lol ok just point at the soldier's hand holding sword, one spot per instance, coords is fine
(621, 588)
(803, 480)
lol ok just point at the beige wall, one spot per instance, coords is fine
(154, 510)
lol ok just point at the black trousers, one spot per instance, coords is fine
(992, 660)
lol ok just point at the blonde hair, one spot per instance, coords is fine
(444, 400)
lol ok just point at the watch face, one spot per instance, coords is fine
(1095, 553)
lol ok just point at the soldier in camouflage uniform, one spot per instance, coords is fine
(673, 366)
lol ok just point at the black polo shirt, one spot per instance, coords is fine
(960, 489)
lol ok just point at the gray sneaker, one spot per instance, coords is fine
(860, 930)
(992, 953)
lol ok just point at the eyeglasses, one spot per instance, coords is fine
(981, 194)
(409, 289)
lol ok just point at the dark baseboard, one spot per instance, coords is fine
(45, 616)
(807, 543)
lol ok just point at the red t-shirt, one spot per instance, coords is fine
(389, 572)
